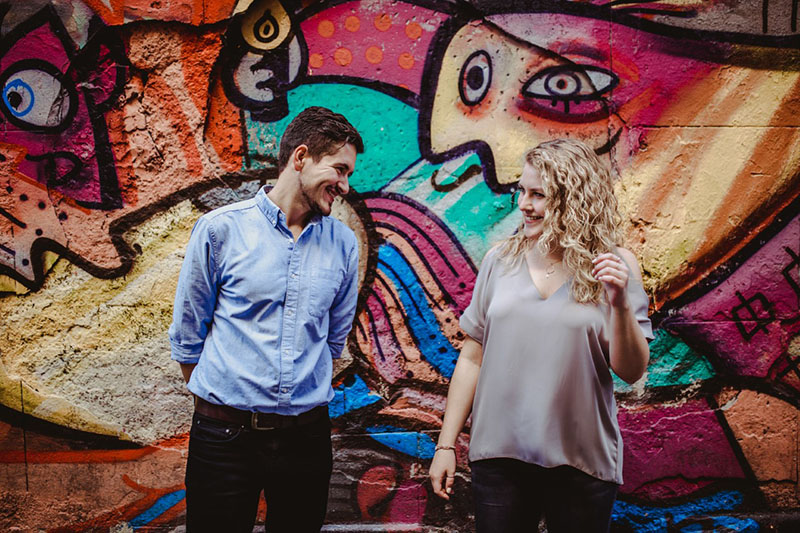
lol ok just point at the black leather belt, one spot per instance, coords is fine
(259, 421)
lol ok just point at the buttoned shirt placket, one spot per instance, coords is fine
(290, 310)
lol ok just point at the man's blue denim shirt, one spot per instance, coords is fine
(261, 314)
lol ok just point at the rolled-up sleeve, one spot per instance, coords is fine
(196, 295)
(343, 309)
(473, 320)
(640, 304)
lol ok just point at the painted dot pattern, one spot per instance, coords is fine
(343, 56)
(354, 39)
(316, 60)
(406, 61)
(326, 28)
(413, 30)
(374, 55)
(352, 23)
(383, 22)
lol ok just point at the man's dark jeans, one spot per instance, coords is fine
(511, 496)
(229, 465)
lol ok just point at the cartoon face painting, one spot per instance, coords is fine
(55, 160)
(660, 110)
(509, 95)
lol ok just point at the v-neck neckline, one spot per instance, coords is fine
(527, 269)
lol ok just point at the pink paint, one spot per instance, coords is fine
(386, 357)
(386, 42)
(449, 264)
(48, 100)
(771, 289)
(638, 99)
(408, 506)
(674, 450)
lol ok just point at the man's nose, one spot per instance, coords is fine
(344, 186)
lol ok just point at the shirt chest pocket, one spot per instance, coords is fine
(325, 284)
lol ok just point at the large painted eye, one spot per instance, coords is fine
(267, 28)
(565, 83)
(36, 98)
(475, 78)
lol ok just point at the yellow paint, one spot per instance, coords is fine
(266, 25)
(77, 322)
(498, 119)
(716, 154)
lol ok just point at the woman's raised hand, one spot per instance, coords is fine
(613, 273)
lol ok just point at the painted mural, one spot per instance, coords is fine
(122, 121)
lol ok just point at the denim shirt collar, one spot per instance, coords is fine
(274, 213)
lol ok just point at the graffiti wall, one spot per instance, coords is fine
(122, 121)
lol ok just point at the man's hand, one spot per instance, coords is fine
(187, 370)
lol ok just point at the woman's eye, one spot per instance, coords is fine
(37, 98)
(570, 83)
(475, 78)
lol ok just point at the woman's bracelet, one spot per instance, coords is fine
(444, 447)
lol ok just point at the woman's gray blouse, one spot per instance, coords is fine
(545, 394)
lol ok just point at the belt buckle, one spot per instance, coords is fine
(254, 423)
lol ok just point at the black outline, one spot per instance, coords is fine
(462, 78)
(48, 68)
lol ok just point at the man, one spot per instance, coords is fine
(265, 300)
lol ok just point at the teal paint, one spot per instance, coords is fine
(672, 362)
(387, 125)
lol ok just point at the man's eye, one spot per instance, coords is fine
(570, 83)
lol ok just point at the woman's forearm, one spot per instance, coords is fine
(629, 350)
(461, 392)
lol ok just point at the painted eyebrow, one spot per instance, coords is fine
(581, 49)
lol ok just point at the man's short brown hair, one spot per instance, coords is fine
(322, 130)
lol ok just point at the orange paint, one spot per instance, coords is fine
(343, 57)
(326, 28)
(383, 22)
(316, 60)
(223, 129)
(198, 54)
(406, 61)
(74, 456)
(352, 23)
(413, 30)
(374, 55)
(110, 15)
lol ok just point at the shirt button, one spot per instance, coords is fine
(289, 312)
(285, 390)
(294, 275)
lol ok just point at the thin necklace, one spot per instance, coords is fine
(551, 269)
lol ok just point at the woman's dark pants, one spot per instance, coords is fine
(511, 496)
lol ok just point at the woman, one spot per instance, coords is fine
(555, 306)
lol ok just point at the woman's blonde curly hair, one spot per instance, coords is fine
(581, 218)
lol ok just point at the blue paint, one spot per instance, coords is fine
(411, 443)
(350, 397)
(724, 523)
(433, 345)
(387, 126)
(647, 519)
(18, 86)
(159, 507)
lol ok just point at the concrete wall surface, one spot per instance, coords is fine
(122, 121)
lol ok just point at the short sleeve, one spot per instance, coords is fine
(640, 305)
(473, 320)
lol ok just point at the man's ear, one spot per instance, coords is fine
(299, 156)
